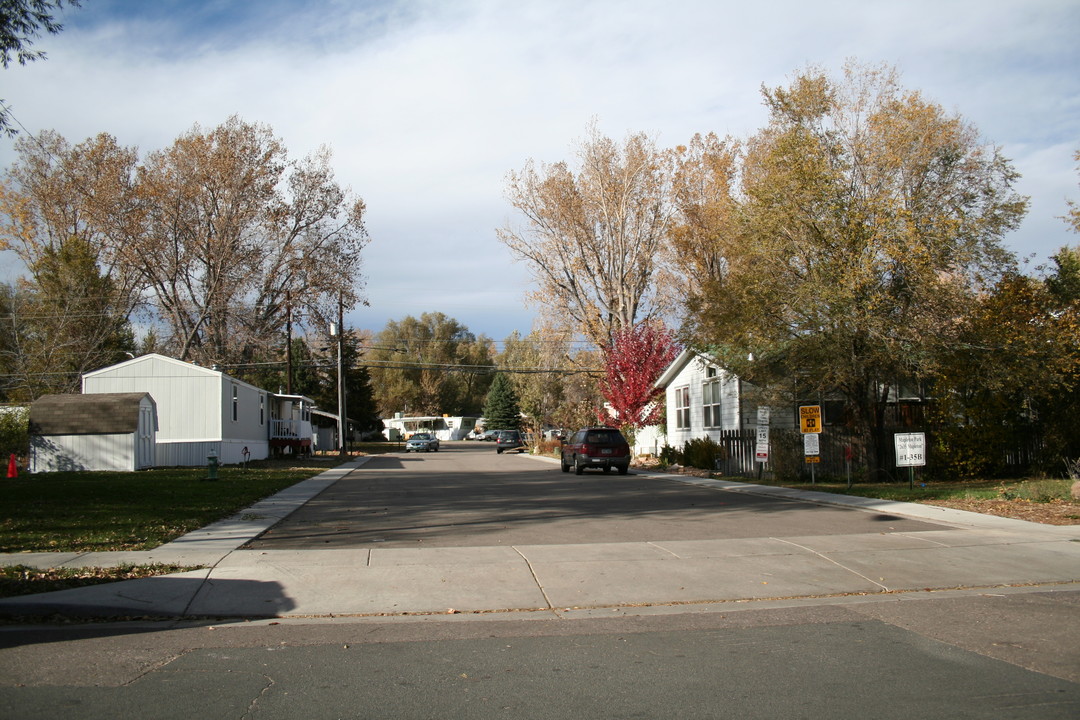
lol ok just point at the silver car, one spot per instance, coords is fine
(422, 442)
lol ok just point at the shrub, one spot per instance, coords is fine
(14, 432)
(670, 456)
(703, 453)
(548, 446)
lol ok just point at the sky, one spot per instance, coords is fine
(427, 105)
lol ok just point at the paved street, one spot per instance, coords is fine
(468, 496)
(469, 584)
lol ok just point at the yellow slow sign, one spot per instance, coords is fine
(810, 418)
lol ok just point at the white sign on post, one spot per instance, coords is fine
(910, 449)
(811, 444)
(761, 449)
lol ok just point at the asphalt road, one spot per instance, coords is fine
(1008, 653)
(466, 495)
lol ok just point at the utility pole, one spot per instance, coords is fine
(288, 343)
(343, 422)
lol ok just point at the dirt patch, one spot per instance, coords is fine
(1048, 513)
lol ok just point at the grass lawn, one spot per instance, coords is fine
(102, 511)
(1044, 490)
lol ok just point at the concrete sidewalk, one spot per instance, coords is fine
(970, 551)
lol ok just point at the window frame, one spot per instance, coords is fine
(682, 408)
(712, 403)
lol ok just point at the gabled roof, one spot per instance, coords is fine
(680, 362)
(185, 369)
(102, 414)
(154, 357)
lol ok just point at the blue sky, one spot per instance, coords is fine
(428, 105)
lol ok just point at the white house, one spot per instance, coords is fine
(202, 411)
(704, 400)
(111, 431)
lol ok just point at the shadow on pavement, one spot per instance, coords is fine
(440, 502)
(164, 596)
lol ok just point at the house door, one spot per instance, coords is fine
(145, 452)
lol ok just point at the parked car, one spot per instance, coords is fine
(489, 435)
(508, 440)
(422, 441)
(475, 435)
(601, 447)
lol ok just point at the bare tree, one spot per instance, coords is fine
(593, 236)
(234, 232)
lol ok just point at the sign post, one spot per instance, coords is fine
(810, 427)
(910, 453)
(761, 447)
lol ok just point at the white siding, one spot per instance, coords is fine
(52, 453)
(649, 441)
(188, 397)
(195, 409)
(693, 376)
(246, 426)
(197, 453)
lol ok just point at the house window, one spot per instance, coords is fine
(682, 408)
(235, 405)
(262, 409)
(710, 400)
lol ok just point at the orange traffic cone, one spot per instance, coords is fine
(12, 467)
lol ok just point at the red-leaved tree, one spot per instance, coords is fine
(632, 363)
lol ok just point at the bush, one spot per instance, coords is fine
(14, 432)
(670, 456)
(548, 446)
(703, 453)
(699, 453)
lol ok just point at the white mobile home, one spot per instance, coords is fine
(202, 411)
(442, 426)
(113, 431)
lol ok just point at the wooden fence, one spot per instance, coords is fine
(841, 455)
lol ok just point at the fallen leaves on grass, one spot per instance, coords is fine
(1056, 512)
(24, 580)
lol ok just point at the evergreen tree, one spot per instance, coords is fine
(74, 322)
(501, 409)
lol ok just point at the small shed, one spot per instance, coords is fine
(109, 431)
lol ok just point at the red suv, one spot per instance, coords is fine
(601, 447)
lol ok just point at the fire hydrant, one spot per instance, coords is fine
(211, 466)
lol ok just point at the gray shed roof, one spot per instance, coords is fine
(101, 414)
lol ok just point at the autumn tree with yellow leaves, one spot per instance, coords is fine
(218, 239)
(863, 222)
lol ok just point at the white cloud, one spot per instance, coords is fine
(428, 105)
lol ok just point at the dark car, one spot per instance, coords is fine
(599, 447)
(508, 440)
